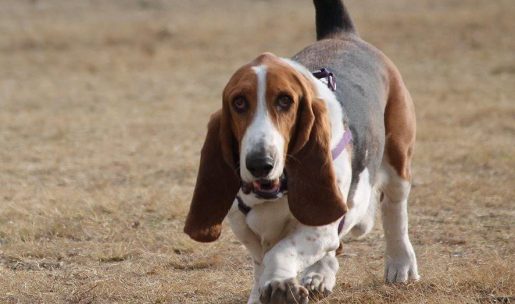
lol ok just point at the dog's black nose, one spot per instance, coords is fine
(259, 166)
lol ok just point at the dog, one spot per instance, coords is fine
(301, 153)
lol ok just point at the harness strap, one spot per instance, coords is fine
(327, 77)
(344, 141)
(340, 225)
(241, 205)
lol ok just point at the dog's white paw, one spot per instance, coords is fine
(401, 265)
(284, 292)
(317, 285)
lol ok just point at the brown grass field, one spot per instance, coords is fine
(103, 108)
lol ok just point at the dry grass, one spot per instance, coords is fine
(103, 106)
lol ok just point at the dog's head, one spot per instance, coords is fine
(271, 123)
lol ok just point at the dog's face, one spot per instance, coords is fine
(263, 100)
(270, 124)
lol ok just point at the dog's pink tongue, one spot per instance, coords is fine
(256, 185)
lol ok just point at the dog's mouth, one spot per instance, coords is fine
(266, 185)
(266, 188)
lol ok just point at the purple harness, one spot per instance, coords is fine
(328, 78)
(344, 141)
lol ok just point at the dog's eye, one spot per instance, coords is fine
(284, 102)
(240, 104)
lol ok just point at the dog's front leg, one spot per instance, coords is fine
(251, 241)
(303, 247)
(254, 294)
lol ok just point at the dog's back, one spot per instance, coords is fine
(380, 113)
(363, 79)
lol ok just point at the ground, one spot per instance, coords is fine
(103, 108)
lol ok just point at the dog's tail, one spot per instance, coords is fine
(332, 19)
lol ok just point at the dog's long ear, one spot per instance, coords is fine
(217, 182)
(314, 197)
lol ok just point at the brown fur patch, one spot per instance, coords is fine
(400, 124)
(243, 83)
(313, 195)
(216, 186)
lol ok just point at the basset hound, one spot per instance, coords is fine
(296, 162)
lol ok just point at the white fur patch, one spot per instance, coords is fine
(360, 202)
(400, 259)
(343, 170)
(262, 132)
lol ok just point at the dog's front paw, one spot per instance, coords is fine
(315, 283)
(401, 266)
(284, 292)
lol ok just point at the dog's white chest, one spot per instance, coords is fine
(270, 221)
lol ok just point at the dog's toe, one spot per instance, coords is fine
(284, 292)
(401, 270)
(315, 284)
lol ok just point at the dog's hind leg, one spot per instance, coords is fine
(400, 260)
